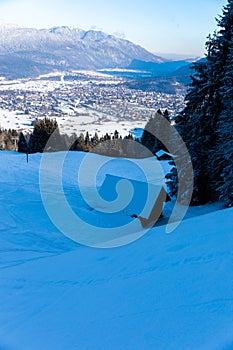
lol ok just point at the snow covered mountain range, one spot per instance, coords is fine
(29, 51)
(160, 292)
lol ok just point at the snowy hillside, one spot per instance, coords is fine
(160, 292)
(29, 51)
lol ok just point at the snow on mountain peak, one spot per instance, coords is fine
(44, 49)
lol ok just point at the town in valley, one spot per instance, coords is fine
(82, 101)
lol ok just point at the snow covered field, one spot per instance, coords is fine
(76, 120)
(160, 292)
(88, 120)
(72, 119)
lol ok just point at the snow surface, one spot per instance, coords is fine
(161, 292)
(88, 120)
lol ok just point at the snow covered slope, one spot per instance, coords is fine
(161, 292)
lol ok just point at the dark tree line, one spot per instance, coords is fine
(43, 130)
(7, 139)
(153, 127)
(206, 123)
(46, 137)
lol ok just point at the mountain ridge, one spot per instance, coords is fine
(64, 48)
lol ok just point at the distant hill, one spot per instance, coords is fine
(168, 85)
(158, 69)
(170, 77)
(30, 52)
(183, 74)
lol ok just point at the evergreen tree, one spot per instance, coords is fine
(116, 134)
(45, 130)
(22, 144)
(148, 138)
(224, 156)
(95, 140)
(153, 127)
(162, 133)
(200, 122)
(77, 143)
(87, 139)
(7, 139)
(81, 143)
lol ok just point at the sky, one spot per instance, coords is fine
(171, 26)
